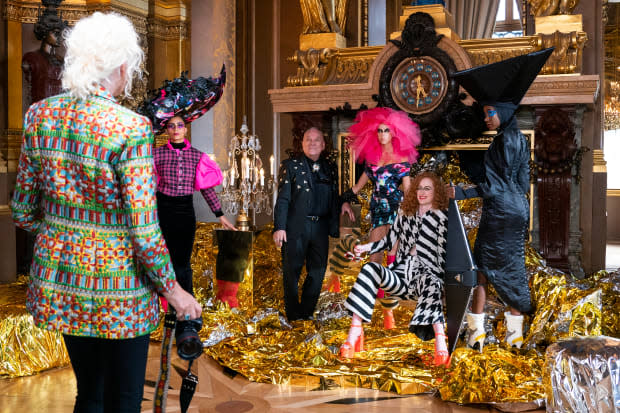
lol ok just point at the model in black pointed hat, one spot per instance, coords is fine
(499, 250)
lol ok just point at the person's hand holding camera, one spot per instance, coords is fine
(184, 303)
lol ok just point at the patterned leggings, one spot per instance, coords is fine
(409, 280)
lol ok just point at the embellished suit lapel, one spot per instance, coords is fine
(308, 174)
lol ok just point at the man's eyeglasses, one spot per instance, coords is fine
(386, 130)
(173, 126)
(491, 112)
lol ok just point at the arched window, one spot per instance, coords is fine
(508, 20)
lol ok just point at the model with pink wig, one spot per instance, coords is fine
(367, 148)
(384, 140)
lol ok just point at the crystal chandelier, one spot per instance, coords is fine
(244, 187)
(612, 106)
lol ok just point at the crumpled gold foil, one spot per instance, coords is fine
(260, 344)
(564, 307)
(583, 375)
(497, 375)
(26, 349)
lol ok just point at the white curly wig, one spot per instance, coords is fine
(96, 46)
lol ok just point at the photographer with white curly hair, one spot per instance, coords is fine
(86, 188)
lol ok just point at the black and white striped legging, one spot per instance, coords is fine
(408, 280)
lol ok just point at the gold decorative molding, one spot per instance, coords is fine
(166, 30)
(27, 11)
(352, 65)
(546, 90)
(598, 162)
(332, 66)
(613, 192)
(13, 141)
(3, 165)
(566, 89)
(562, 22)
(444, 21)
(567, 56)
(322, 41)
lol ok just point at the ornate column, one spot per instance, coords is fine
(168, 42)
(556, 164)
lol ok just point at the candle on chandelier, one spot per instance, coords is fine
(271, 164)
(232, 177)
(262, 177)
(247, 168)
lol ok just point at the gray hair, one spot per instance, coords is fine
(96, 46)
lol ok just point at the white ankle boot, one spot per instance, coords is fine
(475, 327)
(514, 330)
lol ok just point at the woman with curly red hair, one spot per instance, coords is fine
(385, 140)
(420, 232)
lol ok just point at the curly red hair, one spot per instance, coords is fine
(440, 196)
(364, 141)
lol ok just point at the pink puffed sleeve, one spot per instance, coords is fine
(208, 174)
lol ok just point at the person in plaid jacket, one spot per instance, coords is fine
(182, 169)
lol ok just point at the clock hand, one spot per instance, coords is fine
(419, 89)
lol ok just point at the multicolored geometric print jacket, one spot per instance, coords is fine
(86, 187)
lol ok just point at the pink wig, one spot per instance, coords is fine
(364, 140)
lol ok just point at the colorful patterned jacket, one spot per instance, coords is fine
(86, 187)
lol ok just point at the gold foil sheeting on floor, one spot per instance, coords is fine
(497, 375)
(25, 349)
(261, 345)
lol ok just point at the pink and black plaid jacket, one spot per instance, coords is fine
(176, 173)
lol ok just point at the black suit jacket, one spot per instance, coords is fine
(295, 192)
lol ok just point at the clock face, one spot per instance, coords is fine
(419, 84)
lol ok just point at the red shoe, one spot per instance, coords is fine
(388, 319)
(333, 285)
(227, 292)
(348, 350)
(442, 357)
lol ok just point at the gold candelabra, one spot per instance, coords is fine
(244, 187)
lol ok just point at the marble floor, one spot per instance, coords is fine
(221, 392)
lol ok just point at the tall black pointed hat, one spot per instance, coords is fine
(505, 81)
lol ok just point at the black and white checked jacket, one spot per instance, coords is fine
(428, 233)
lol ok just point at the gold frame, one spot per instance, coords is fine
(346, 168)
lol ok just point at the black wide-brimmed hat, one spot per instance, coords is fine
(505, 81)
(187, 98)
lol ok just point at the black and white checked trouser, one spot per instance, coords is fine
(408, 280)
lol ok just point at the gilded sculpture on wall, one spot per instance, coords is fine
(324, 16)
(541, 8)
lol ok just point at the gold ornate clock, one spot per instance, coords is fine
(419, 84)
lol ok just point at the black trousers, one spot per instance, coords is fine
(310, 245)
(177, 220)
(109, 373)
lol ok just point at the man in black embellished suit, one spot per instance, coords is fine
(305, 215)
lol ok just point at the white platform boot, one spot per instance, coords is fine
(475, 327)
(514, 330)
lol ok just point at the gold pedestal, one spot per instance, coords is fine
(322, 41)
(444, 21)
(564, 23)
(243, 222)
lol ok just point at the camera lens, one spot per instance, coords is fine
(189, 346)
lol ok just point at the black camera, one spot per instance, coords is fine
(189, 346)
